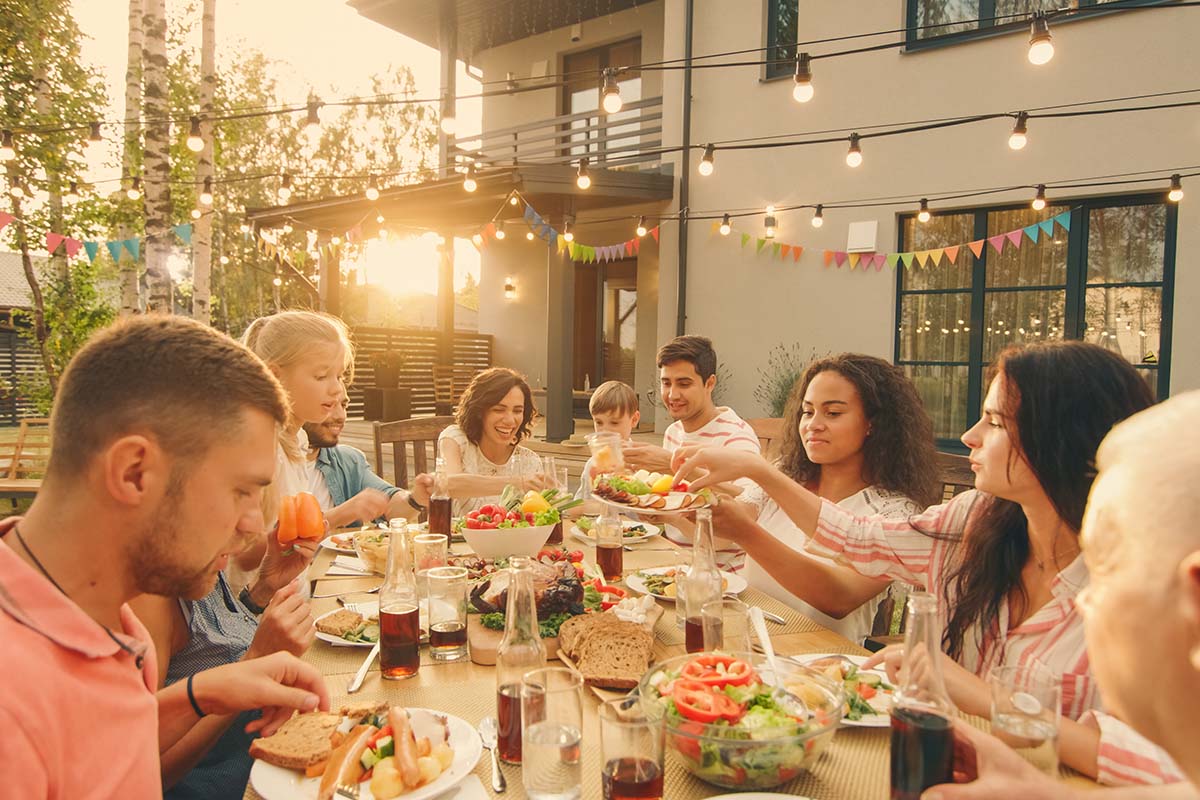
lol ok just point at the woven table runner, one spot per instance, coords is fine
(668, 632)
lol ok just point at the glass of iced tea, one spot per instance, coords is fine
(610, 556)
(726, 626)
(447, 612)
(631, 752)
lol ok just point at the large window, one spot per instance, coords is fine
(939, 21)
(782, 33)
(1108, 281)
(600, 135)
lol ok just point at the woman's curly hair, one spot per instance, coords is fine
(899, 455)
(487, 389)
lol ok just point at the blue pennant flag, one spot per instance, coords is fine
(1047, 227)
(114, 250)
(92, 249)
(184, 232)
(134, 246)
(1064, 219)
(530, 214)
(1032, 232)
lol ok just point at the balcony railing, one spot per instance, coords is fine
(631, 136)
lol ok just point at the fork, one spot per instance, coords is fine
(349, 790)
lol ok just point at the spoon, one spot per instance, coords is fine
(760, 630)
(487, 732)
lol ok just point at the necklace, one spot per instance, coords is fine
(37, 563)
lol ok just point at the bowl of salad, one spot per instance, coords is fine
(517, 525)
(730, 723)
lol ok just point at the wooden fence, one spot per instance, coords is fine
(18, 360)
(419, 347)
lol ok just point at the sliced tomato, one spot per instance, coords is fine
(689, 745)
(700, 703)
(386, 730)
(718, 670)
(866, 692)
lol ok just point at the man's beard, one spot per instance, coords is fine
(152, 554)
(319, 436)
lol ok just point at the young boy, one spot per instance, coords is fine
(614, 407)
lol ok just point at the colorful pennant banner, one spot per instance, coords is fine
(578, 251)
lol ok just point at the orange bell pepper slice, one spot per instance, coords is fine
(310, 522)
(288, 529)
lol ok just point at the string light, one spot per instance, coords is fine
(195, 142)
(477, 239)
(1041, 49)
(612, 102)
(818, 218)
(285, 189)
(17, 189)
(277, 281)
(372, 189)
(195, 213)
(529, 236)
(1018, 139)
(72, 195)
(1176, 192)
(769, 223)
(510, 288)
(802, 92)
(287, 227)
(206, 194)
(335, 240)
(312, 124)
(7, 151)
(94, 137)
(923, 215)
(244, 227)
(449, 124)
(134, 192)
(566, 232)
(379, 219)
(514, 200)
(224, 261)
(469, 183)
(706, 161)
(582, 179)
(641, 227)
(500, 234)
(383, 234)
(725, 226)
(854, 157)
(1039, 201)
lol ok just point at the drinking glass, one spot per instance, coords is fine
(447, 612)
(551, 725)
(631, 751)
(607, 455)
(429, 550)
(1026, 706)
(610, 555)
(726, 626)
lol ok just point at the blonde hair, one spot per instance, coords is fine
(614, 397)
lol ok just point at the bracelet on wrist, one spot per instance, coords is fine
(412, 501)
(192, 698)
(249, 603)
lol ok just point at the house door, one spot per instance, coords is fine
(605, 322)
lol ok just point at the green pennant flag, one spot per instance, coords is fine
(892, 258)
(775, 250)
(1064, 219)
(761, 243)
(745, 239)
(907, 258)
(134, 246)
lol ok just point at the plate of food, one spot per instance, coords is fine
(651, 493)
(868, 693)
(414, 753)
(340, 542)
(660, 582)
(632, 530)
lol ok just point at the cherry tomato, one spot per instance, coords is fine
(529, 517)
(575, 555)
(718, 670)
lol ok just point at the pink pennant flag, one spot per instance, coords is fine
(796, 251)
(997, 242)
(977, 248)
(73, 246)
(952, 253)
(880, 260)
(828, 257)
(853, 258)
(490, 230)
(839, 257)
(53, 240)
(5, 218)
(628, 247)
(637, 245)
(1015, 236)
(654, 232)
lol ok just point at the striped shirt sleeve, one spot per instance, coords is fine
(1126, 758)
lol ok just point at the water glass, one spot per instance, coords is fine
(607, 453)
(1026, 707)
(631, 751)
(551, 731)
(726, 626)
(447, 612)
(429, 550)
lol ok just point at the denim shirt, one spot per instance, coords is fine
(346, 473)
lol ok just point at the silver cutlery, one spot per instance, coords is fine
(347, 790)
(487, 732)
(357, 681)
(343, 594)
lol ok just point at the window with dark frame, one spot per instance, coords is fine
(933, 22)
(1108, 281)
(782, 33)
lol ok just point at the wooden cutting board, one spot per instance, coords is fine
(485, 642)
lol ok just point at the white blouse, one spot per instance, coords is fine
(522, 462)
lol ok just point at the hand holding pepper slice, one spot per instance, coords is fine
(717, 670)
(300, 517)
(702, 703)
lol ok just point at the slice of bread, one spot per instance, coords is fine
(357, 711)
(302, 741)
(608, 651)
(340, 622)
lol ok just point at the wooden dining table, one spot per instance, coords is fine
(853, 767)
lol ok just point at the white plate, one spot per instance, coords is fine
(881, 702)
(650, 512)
(626, 524)
(337, 640)
(277, 783)
(758, 796)
(734, 584)
(331, 543)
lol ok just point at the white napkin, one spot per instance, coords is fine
(347, 565)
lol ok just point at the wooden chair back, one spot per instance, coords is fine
(422, 433)
(956, 474)
(769, 431)
(31, 450)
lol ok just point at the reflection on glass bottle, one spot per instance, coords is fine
(521, 650)
(701, 584)
(399, 615)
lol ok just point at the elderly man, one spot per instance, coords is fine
(1141, 608)
(343, 483)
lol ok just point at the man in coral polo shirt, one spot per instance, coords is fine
(162, 440)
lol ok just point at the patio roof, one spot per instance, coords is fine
(444, 206)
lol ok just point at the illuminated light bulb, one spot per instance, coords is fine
(7, 151)
(500, 234)
(529, 236)
(312, 124)
(224, 261)
(945, 330)
(1021, 331)
(287, 227)
(72, 195)
(582, 179)
(966, 329)
(277, 281)
(335, 240)
(134, 192)
(1176, 192)
(566, 233)
(706, 161)
(206, 194)
(854, 156)
(1039, 201)
(769, 223)
(469, 183)
(195, 142)
(612, 102)
(379, 219)
(641, 227)
(285, 189)
(449, 125)
(725, 226)
(1041, 48)
(372, 189)
(802, 91)
(514, 201)
(195, 213)
(383, 234)
(510, 288)
(923, 215)
(94, 138)
(818, 218)
(478, 240)
(960, 322)
(1020, 131)
(244, 227)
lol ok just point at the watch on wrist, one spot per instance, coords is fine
(412, 501)
(249, 603)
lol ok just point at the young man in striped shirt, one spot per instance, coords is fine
(687, 372)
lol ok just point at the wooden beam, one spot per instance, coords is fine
(560, 345)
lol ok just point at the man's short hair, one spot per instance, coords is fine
(614, 397)
(696, 350)
(170, 377)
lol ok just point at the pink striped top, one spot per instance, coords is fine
(1052, 636)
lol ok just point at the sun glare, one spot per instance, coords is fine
(408, 266)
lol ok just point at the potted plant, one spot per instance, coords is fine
(387, 366)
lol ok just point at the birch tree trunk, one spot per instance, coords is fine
(42, 104)
(202, 235)
(40, 332)
(131, 301)
(157, 165)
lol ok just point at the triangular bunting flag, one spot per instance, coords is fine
(1032, 232)
(892, 258)
(839, 258)
(907, 258)
(745, 239)
(997, 242)
(761, 243)
(828, 257)
(854, 257)
(1015, 237)
(952, 253)
(637, 246)
(529, 213)
(184, 232)
(796, 251)
(92, 248)
(629, 247)
(5, 218)
(935, 256)
(923, 258)
(114, 250)
(53, 240)
(775, 248)
(976, 247)
(880, 259)
(1064, 219)
(784, 250)
(1047, 226)
(654, 232)
(571, 248)
(490, 230)
(72, 246)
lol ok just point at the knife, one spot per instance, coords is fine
(357, 681)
